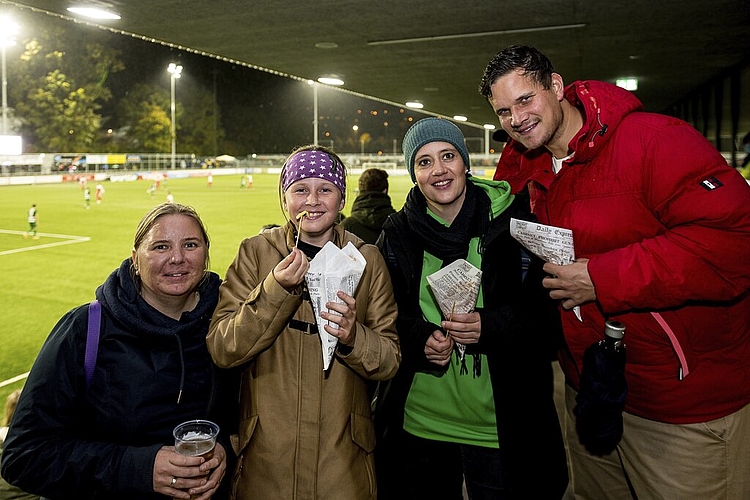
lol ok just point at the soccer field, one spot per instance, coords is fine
(78, 248)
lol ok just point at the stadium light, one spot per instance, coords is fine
(94, 13)
(8, 29)
(175, 72)
(331, 79)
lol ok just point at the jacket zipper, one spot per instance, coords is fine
(684, 370)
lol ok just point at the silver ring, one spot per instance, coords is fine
(174, 480)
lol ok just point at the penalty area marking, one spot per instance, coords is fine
(14, 379)
(67, 240)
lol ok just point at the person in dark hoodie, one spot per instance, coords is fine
(371, 207)
(113, 438)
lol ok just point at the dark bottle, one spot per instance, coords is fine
(614, 332)
(602, 392)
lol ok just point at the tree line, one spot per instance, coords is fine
(60, 99)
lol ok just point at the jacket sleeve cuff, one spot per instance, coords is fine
(137, 469)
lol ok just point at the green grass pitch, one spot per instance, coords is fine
(78, 248)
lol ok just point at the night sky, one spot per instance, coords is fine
(260, 112)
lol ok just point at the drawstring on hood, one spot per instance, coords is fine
(120, 298)
(182, 368)
(602, 127)
(598, 121)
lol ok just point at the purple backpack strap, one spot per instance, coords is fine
(92, 340)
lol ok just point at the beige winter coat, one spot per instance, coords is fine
(303, 433)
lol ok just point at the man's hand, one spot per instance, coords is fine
(570, 283)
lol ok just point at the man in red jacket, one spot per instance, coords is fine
(659, 221)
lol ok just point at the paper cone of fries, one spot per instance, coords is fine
(331, 270)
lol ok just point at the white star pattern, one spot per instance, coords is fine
(308, 163)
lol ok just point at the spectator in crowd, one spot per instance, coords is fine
(371, 206)
(113, 438)
(32, 218)
(484, 416)
(305, 432)
(657, 218)
(8, 492)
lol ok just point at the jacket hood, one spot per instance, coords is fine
(499, 193)
(119, 296)
(599, 121)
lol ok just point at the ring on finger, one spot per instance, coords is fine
(174, 480)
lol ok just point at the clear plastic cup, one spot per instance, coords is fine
(196, 438)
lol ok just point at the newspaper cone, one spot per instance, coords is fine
(456, 288)
(550, 243)
(331, 270)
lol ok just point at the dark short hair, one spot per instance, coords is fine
(528, 60)
(373, 179)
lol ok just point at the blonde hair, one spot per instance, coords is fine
(10, 406)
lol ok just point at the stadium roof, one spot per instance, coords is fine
(435, 51)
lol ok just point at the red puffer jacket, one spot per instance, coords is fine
(665, 223)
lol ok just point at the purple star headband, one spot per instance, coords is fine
(318, 164)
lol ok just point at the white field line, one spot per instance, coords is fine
(68, 240)
(14, 379)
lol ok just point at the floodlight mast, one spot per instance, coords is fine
(8, 29)
(175, 72)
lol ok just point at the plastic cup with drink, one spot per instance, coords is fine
(196, 438)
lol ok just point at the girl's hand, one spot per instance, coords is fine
(290, 272)
(346, 319)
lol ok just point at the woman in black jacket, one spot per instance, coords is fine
(113, 439)
(487, 417)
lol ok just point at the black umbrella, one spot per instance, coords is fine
(602, 392)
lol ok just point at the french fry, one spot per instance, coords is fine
(300, 218)
(450, 318)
